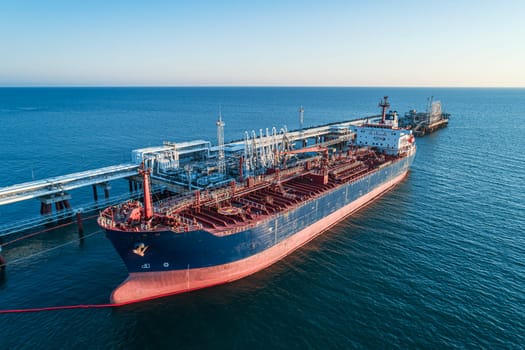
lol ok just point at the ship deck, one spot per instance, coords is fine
(239, 206)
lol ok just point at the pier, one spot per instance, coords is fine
(424, 123)
(53, 190)
(424, 128)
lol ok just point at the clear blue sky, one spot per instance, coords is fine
(292, 43)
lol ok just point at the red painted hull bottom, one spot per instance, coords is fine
(150, 285)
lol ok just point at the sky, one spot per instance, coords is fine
(449, 43)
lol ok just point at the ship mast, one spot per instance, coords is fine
(221, 164)
(301, 121)
(384, 104)
(301, 117)
(148, 207)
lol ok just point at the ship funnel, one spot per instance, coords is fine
(384, 104)
(148, 207)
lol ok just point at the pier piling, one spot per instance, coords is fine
(95, 194)
(3, 261)
(46, 208)
(80, 224)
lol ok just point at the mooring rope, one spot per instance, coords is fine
(42, 231)
(56, 308)
(50, 249)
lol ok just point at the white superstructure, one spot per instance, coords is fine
(388, 139)
(384, 133)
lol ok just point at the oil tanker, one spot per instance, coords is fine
(243, 206)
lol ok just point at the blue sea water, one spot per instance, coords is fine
(439, 262)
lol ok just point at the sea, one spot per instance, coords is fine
(438, 262)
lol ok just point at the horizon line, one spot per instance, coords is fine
(262, 86)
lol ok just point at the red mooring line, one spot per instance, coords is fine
(56, 308)
(86, 306)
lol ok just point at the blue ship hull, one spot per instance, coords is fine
(169, 251)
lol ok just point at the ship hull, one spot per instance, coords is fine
(180, 263)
